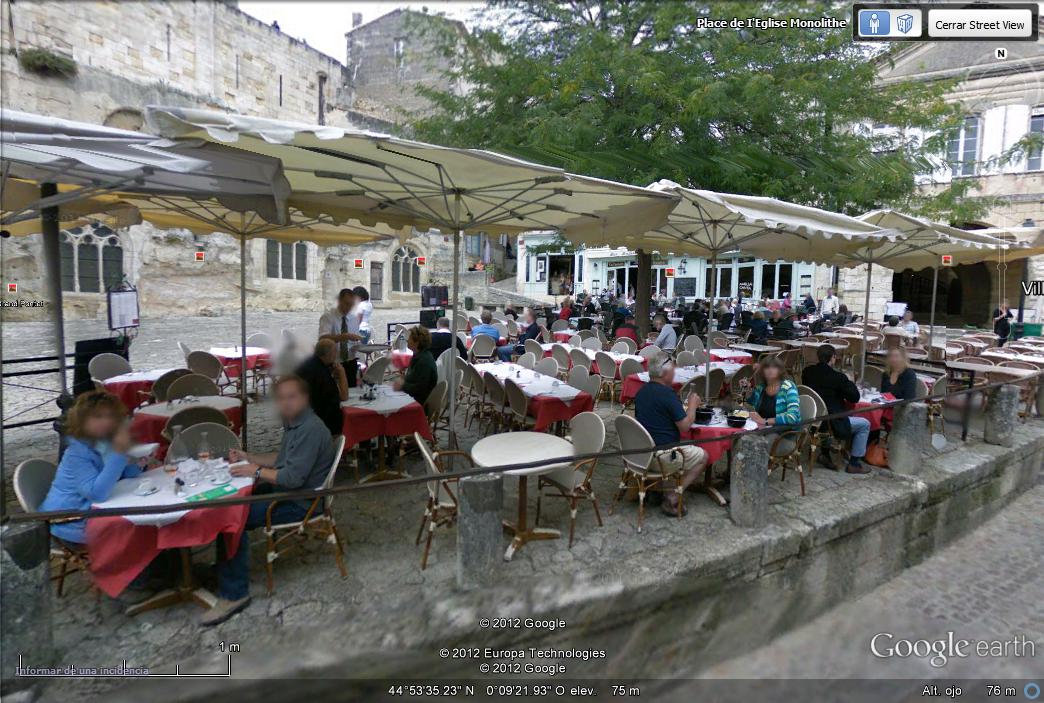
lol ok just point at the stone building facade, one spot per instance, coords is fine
(208, 54)
(1003, 99)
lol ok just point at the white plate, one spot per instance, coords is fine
(139, 492)
(141, 451)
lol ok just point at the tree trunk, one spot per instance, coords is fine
(641, 292)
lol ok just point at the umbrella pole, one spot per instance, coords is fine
(712, 324)
(931, 318)
(242, 338)
(866, 316)
(451, 439)
(52, 234)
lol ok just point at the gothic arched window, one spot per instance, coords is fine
(405, 271)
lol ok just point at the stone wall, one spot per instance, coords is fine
(391, 56)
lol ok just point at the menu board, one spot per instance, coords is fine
(123, 309)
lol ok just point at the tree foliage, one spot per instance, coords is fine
(636, 91)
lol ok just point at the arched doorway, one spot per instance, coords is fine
(963, 295)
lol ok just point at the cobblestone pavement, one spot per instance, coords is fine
(984, 587)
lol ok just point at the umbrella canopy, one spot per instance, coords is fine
(101, 159)
(1022, 242)
(705, 223)
(924, 243)
(337, 172)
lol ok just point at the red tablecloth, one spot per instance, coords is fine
(730, 355)
(120, 550)
(715, 450)
(361, 424)
(149, 428)
(547, 410)
(129, 392)
(401, 359)
(232, 364)
(874, 412)
(632, 384)
(563, 336)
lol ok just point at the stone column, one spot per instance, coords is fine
(1002, 414)
(480, 544)
(1040, 397)
(25, 591)
(908, 438)
(748, 487)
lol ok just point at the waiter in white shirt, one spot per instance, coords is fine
(828, 306)
(342, 327)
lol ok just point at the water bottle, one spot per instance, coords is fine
(178, 451)
(203, 450)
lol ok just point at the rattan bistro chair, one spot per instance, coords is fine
(642, 468)
(220, 439)
(578, 358)
(193, 415)
(317, 523)
(483, 348)
(533, 347)
(587, 433)
(193, 384)
(159, 390)
(105, 366)
(32, 480)
(438, 512)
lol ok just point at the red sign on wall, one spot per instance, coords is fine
(358, 263)
(421, 260)
(201, 256)
(12, 287)
(669, 273)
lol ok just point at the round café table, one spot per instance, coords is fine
(518, 448)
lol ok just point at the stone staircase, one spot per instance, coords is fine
(474, 284)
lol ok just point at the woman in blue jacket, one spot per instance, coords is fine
(95, 459)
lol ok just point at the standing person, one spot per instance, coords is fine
(304, 459)
(1002, 323)
(658, 409)
(364, 310)
(442, 339)
(327, 384)
(342, 327)
(423, 374)
(836, 389)
(828, 306)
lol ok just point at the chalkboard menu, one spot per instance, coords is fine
(685, 286)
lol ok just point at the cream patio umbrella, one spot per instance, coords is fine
(340, 172)
(55, 170)
(924, 245)
(707, 224)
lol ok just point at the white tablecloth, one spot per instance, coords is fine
(387, 402)
(138, 376)
(123, 496)
(531, 383)
(237, 351)
(221, 402)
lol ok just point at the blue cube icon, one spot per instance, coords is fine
(904, 23)
(874, 23)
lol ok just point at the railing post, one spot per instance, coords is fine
(748, 486)
(908, 438)
(25, 590)
(1002, 415)
(480, 542)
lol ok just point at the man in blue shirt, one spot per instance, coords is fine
(487, 328)
(659, 410)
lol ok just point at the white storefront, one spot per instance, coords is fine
(548, 272)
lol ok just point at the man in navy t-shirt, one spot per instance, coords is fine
(659, 410)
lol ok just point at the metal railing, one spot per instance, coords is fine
(454, 475)
(7, 363)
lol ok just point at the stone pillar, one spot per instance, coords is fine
(1040, 397)
(480, 544)
(908, 438)
(748, 487)
(1002, 414)
(25, 591)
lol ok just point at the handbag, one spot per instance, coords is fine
(877, 455)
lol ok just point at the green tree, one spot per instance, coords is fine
(637, 90)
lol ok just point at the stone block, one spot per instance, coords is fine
(908, 438)
(748, 487)
(25, 591)
(480, 542)
(1002, 416)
